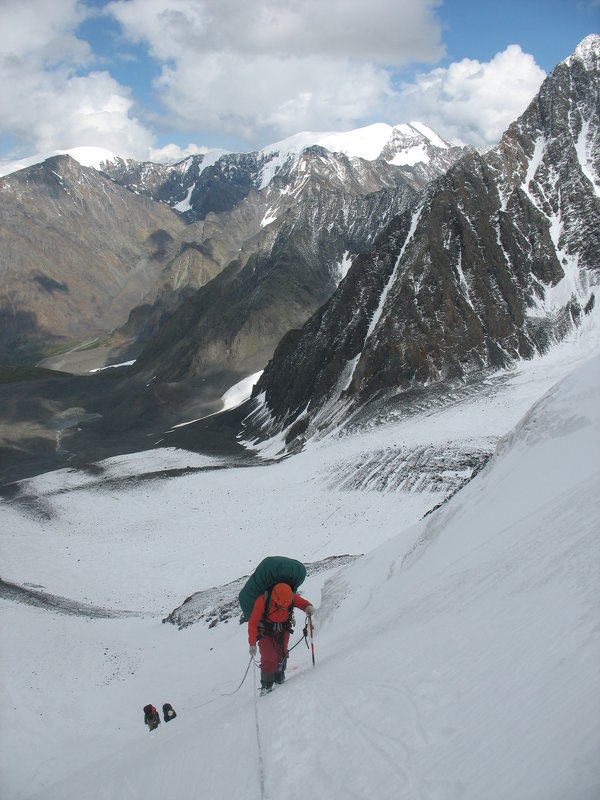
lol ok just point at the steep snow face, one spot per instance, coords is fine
(456, 659)
(488, 611)
(430, 134)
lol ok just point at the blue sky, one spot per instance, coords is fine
(548, 29)
(161, 78)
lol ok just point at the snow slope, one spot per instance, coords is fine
(456, 659)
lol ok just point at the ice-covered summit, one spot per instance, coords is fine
(402, 145)
(587, 51)
(368, 142)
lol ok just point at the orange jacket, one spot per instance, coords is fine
(274, 615)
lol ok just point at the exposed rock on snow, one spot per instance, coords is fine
(220, 604)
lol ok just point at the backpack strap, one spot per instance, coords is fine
(267, 606)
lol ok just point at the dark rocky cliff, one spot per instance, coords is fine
(494, 262)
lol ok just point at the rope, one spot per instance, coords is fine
(261, 765)
(304, 639)
(201, 705)
(228, 694)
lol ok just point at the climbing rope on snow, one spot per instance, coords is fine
(224, 694)
(228, 694)
(261, 764)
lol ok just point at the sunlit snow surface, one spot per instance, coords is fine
(457, 659)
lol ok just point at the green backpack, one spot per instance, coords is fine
(271, 570)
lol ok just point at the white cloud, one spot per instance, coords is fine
(263, 70)
(250, 72)
(48, 110)
(171, 153)
(42, 29)
(47, 104)
(471, 102)
(382, 31)
(265, 98)
(282, 67)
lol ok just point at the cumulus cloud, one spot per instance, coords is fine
(284, 66)
(262, 70)
(380, 31)
(171, 153)
(48, 97)
(43, 30)
(57, 110)
(265, 98)
(242, 72)
(471, 102)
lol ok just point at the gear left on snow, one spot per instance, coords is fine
(152, 717)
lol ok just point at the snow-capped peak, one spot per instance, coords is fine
(86, 156)
(367, 143)
(90, 156)
(587, 51)
(435, 140)
(403, 144)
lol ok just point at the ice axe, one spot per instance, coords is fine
(312, 641)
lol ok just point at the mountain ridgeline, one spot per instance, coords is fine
(495, 261)
(90, 251)
(357, 267)
(287, 245)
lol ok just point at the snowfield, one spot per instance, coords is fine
(458, 658)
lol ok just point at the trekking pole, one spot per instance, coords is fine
(312, 641)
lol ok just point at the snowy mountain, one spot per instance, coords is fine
(231, 198)
(279, 227)
(299, 214)
(496, 261)
(456, 659)
(303, 231)
(217, 181)
(282, 250)
(407, 145)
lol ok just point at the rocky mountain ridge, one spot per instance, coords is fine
(304, 228)
(496, 260)
(202, 184)
(76, 253)
(224, 210)
(282, 251)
